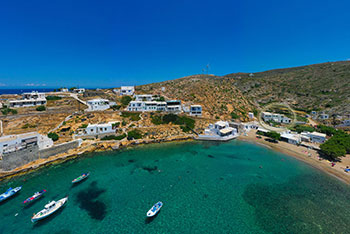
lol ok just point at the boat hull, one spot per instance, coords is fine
(153, 211)
(75, 181)
(61, 203)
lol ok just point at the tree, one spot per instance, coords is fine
(274, 135)
(53, 136)
(337, 146)
(134, 134)
(125, 100)
(41, 108)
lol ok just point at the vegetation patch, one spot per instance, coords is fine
(41, 108)
(338, 145)
(125, 100)
(186, 123)
(6, 111)
(53, 136)
(134, 134)
(133, 116)
(112, 137)
(53, 98)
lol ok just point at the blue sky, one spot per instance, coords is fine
(111, 43)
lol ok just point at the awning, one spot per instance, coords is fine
(226, 130)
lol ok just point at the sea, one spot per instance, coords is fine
(24, 90)
(206, 187)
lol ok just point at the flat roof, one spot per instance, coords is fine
(13, 137)
(318, 134)
(98, 100)
(226, 130)
(28, 100)
(263, 130)
(221, 123)
(196, 106)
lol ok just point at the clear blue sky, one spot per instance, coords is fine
(111, 43)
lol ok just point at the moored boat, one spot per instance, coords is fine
(155, 209)
(36, 196)
(50, 208)
(81, 177)
(9, 193)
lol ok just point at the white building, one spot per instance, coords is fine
(316, 137)
(64, 90)
(29, 99)
(346, 122)
(279, 118)
(173, 106)
(96, 129)
(220, 131)
(196, 110)
(99, 104)
(291, 138)
(141, 106)
(251, 115)
(323, 116)
(81, 90)
(12, 143)
(144, 97)
(127, 90)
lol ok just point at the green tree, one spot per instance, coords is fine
(41, 108)
(53, 136)
(134, 134)
(126, 100)
(274, 135)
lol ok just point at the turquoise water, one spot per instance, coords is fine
(234, 187)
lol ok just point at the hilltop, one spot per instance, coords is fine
(324, 86)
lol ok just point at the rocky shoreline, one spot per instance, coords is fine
(90, 148)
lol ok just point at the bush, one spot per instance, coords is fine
(53, 98)
(133, 116)
(274, 135)
(185, 122)
(115, 125)
(112, 137)
(83, 126)
(303, 128)
(116, 107)
(41, 108)
(6, 111)
(27, 125)
(134, 134)
(234, 115)
(329, 131)
(125, 100)
(53, 136)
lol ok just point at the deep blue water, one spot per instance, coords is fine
(233, 187)
(23, 90)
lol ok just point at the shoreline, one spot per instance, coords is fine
(102, 146)
(95, 147)
(289, 149)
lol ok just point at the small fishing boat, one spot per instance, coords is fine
(155, 209)
(81, 177)
(9, 193)
(36, 196)
(50, 208)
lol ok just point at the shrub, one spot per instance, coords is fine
(338, 145)
(112, 137)
(134, 134)
(83, 126)
(274, 135)
(41, 108)
(185, 122)
(6, 111)
(133, 116)
(115, 125)
(53, 136)
(125, 100)
(234, 115)
(116, 107)
(329, 131)
(53, 98)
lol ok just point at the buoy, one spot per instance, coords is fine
(16, 214)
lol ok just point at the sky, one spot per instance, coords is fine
(111, 43)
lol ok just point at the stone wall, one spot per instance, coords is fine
(19, 158)
(58, 149)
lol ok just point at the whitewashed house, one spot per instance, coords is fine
(251, 115)
(12, 143)
(141, 106)
(173, 106)
(220, 131)
(316, 137)
(279, 118)
(99, 104)
(323, 116)
(196, 110)
(290, 137)
(144, 97)
(80, 90)
(64, 90)
(127, 90)
(96, 129)
(29, 99)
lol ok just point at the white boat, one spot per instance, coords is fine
(50, 208)
(9, 193)
(155, 209)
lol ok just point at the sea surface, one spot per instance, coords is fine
(24, 90)
(234, 187)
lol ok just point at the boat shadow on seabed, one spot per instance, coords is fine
(149, 220)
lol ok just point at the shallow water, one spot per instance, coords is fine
(234, 187)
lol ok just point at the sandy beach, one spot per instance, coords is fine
(309, 156)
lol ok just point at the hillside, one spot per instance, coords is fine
(217, 95)
(323, 86)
